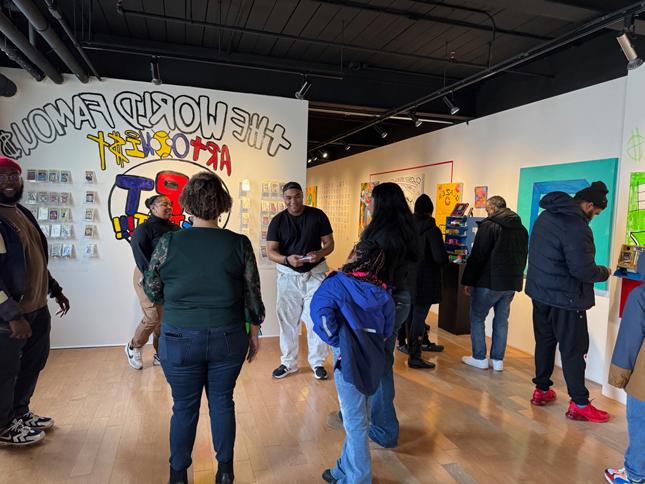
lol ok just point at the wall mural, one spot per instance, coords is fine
(636, 209)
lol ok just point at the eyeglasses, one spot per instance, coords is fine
(14, 177)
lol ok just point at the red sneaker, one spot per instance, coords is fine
(541, 398)
(588, 413)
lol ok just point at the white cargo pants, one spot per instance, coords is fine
(295, 291)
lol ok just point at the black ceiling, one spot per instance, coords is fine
(362, 57)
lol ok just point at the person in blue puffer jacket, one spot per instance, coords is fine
(353, 311)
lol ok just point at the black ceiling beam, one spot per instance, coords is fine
(493, 29)
(578, 33)
(309, 40)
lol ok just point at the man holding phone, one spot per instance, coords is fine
(298, 240)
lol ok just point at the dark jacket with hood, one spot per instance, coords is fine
(562, 267)
(145, 239)
(357, 317)
(424, 276)
(13, 268)
(498, 256)
(628, 361)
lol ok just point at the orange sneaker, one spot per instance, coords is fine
(588, 413)
(541, 397)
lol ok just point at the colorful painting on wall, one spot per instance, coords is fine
(364, 215)
(636, 209)
(481, 196)
(535, 182)
(448, 195)
(311, 197)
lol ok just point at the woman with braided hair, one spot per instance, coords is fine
(353, 312)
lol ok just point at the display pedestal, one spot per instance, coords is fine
(454, 310)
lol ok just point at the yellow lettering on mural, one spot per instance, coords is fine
(100, 139)
(165, 149)
(140, 218)
(134, 139)
(116, 148)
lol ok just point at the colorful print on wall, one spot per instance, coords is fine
(311, 198)
(481, 196)
(636, 209)
(535, 182)
(448, 195)
(364, 215)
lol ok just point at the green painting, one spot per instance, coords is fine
(537, 181)
(636, 209)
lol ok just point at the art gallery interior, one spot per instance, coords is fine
(107, 102)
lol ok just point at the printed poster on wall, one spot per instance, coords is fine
(481, 196)
(364, 214)
(448, 195)
(636, 209)
(311, 197)
(412, 185)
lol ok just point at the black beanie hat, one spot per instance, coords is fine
(595, 193)
(423, 205)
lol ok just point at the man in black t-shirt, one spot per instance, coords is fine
(298, 240)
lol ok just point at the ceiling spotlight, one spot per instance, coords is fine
(453, 109)
(347, 147)
(415, 119)
(315, 158)
(309, 160)
(155, 72)
(302, 92)
(629, 51)
(381, 132)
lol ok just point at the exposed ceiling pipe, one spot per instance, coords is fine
(18, 58)
(42, 26)
(7, 87)
(578, 33)
(53, 9)
(22, 43)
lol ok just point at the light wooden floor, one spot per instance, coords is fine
(458, 424)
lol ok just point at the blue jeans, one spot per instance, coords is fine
(355, 463)
(194, 360)
(481, 302)
(635, 454)
(384, 429)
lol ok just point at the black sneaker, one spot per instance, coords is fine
(36, 422)
(430, 346)
(403, 349)
(320, 373)
(178, 477)
(282, 371)
(327, 477)
(19, 434)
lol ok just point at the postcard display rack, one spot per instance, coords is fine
(48, 197)
(271, 204)
(454, 310)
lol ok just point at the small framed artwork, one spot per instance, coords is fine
(90, 177)
(41, 176)
(66, 231)
(43, 213)
(89, 231)
(56, 250)
(45, 229)
(275, 189)
(65, 198)
(90, 197)
(55, 231)
(43, 197)
(53, 214)
(65, 176)
(266, 189)
(90, 251)
(54, 176)
(459, 210)
(54, 198)
(31, 176)
(68, 251)
(32, 197)
(89, 215)
(64, 214)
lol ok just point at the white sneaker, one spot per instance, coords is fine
(498, 365)
(19, 434)
(134, 357)
(481, 364)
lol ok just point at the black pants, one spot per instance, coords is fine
(569, 328)
(21, 361)
(408, 331)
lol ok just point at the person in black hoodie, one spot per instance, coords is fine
(143, 243)
(562, 272)
(424, 282)
(494, 272)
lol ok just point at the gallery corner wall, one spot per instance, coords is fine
(92, 153)
(579, 126)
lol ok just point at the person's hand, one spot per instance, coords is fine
(254, 343)
(315, 257)
(63, 304)
(468, 290)
(294, 261)
(20, 329)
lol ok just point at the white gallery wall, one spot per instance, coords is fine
(578, 126)
(138, 140)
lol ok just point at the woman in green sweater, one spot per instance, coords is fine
(207, 280)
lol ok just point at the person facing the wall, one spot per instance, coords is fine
(494, 272)
(425, 280)
(298, 240)
(628, 371)
(25, 321)
(353, 312)
(207, 279)
(143, 243)
(561, 274)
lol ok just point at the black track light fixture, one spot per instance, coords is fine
(155, 72)
(415, 119)
(453, 109)
(381, 132)
(302, 92)
(625, 42)
(347, 147)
